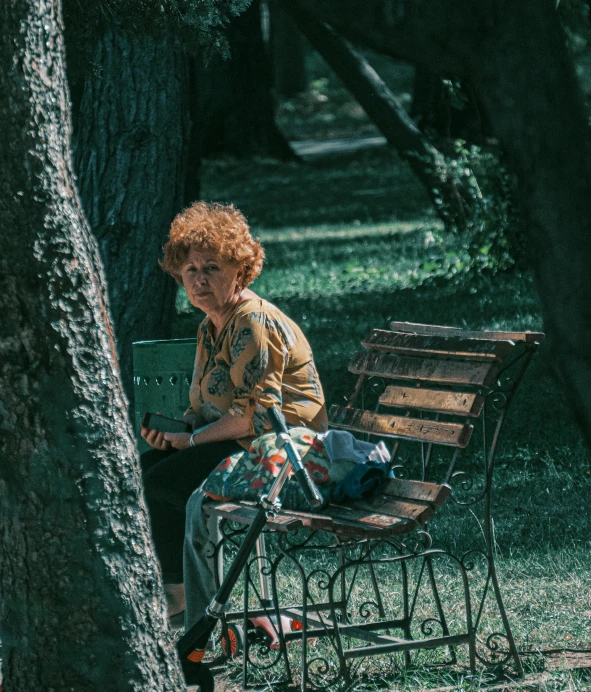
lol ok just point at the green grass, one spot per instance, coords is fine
(342, 264)
(370, 187)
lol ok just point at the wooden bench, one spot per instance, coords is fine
(367, 577)
(435, 393)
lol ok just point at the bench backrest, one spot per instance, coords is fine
(422, 383)
(432, 385)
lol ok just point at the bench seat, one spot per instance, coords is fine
(398, 508)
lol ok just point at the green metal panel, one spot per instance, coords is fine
(162, 372)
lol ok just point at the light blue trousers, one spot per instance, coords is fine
(201, 535)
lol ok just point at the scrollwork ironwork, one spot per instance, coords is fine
(426, 628)
(232, 528)
(492, 652)
(322, 584)
(322, 673)
(461, 490)
(365, 609)
(468, 560)
(377, 386)
(400, 471)
(497, 399)
(417, 543)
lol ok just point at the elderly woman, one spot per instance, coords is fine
(246, 348)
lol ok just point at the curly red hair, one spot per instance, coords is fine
(221, 229)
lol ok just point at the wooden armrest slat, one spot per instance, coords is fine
(376, 364)
(435, 400)
(437, 330)
(439, 432)
(438, 346)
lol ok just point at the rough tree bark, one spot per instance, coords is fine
(515, 56)
(81, 604)
(234, 106)
(132, 178)
(388, 114)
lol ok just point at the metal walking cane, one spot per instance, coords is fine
(192, 645)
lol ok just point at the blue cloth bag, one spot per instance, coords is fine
(361, 483)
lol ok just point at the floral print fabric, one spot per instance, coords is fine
(247, 475)
(261, 352)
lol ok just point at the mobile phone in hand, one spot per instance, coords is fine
(154, 421)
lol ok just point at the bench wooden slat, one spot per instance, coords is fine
(376, 364)
(437, 330)
(391, 507)
(438, 346)
(439, 432)
(436, 400)
(421, 491)
(354, 520)
(311, 520)
(246, 513)
(344, 520)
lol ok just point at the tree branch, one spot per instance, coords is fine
(386, 111)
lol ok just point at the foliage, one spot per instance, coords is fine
(574, 16)
(492, 238)
(204, 19)
(192, 22)
(375, 192)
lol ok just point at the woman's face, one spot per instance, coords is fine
(211, 285)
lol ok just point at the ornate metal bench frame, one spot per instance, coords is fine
(474, 375)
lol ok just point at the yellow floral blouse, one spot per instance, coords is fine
(258, 350)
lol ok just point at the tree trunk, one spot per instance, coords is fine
(515, 56)
(131, 132)
(529, 87)
(192, 191)
(387, 113)
(81, 604)
(235, 109)
(288, 53)
(434, 109)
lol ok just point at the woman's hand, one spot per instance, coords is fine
(155, 439)
(178, 440)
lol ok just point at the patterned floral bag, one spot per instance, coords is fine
(247, 475)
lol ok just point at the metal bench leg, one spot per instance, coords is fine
(439, 606)
(264, 576)
(499, 401)
(492, 573)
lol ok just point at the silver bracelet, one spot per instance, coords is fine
(196, 432)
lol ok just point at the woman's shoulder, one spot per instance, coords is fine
(250, 310)
(259, 314)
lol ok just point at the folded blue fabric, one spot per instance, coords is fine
(361, 483)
